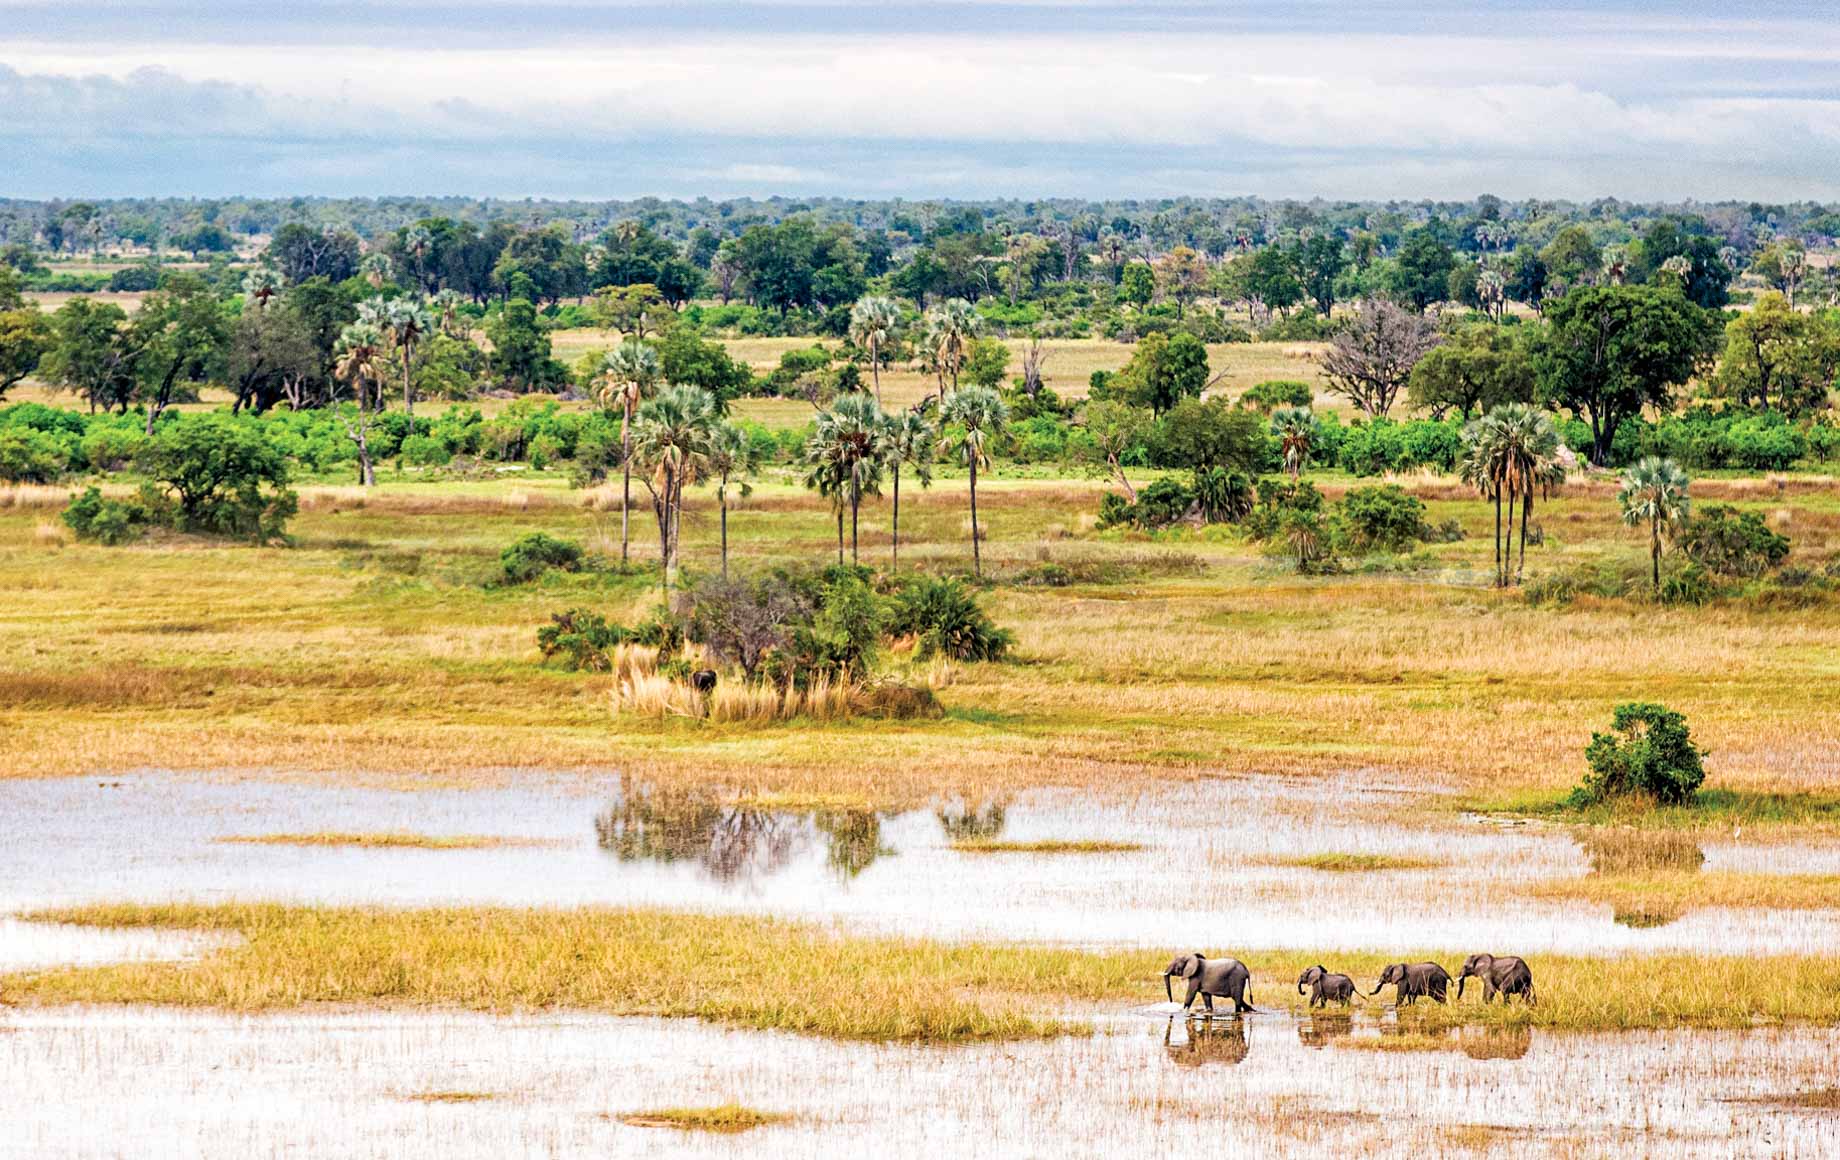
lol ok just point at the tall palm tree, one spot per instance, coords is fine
(908, 443)
(357, 361)
(955, 326)
(376, 269)
(1655, 491)
(1480, 467)
(872, 322)
(858, 429)
(627, 373)
(980, 414)
(826, 473)
(1295, 428)
(409, 322)
(732, 457)
(446, 305)
(1529, 463)
(260, 285)
(671, 434)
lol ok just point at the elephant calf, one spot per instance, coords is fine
(1504, 975)
(1227, 978)
(1414, 980)
(1326, 987)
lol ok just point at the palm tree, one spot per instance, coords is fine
(358, 355)
(627, 373)
(446, 305)
(416, 243)
(732, 456)
(980, 414)
(1295, 428)
(409, 322)
(1480, 468)
(671, 435)
(857, 431)
(1655, 490)
(955, 325)
(872, 322)
(825, 473)
(376, 269)
(908, 442)
(1529, 461)
(260, 285)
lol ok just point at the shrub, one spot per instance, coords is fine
(1687, 585)
(1384, 517)
(106, 521)
(532, 555)
(1274, 393)
(1732, 543)
(1651, 753)
(425, 451)
(582, 639)
(29, 456)
(223, 474)
(945, 616)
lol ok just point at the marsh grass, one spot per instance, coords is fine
(1673, 894)
(1711, 809)
(451, 1097)
(641, 690)
(1818, 1100)
(723, 1118)
(1046, 846)
(1357, 863)
(781, 975)
(389, 839)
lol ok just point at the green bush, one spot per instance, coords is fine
(532, 555)
(1688, 585)
(425, 451)
(106, 521)
(946, 618)
(581, 639)
(29, 456)
(1729, 542)
(1268, 396)
(221, 474)
(1650, 753)
(1384, 518)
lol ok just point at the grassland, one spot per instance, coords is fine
(771, 974)
(1340, 863)
(725, 1119)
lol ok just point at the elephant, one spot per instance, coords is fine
(1326, 987)
(1414, 981)
(1206, 977)
(703, 681)
(1217, 1042)
(1504, 975)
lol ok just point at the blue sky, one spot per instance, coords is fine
(920, 99)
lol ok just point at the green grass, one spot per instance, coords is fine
(1714, 808)
(724, 1118)
(1357, 863)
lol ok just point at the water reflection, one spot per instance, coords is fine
(1626, 850)
(1322, 1029)
(963, 823)
(1496, 1042)
(734, 842)
(1647, 915)
(1206, 1041)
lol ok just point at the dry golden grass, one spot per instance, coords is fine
(726, 1119)
(1674, 893)
(773, 974)
(390, 840)
(450, 1097)
(1356, 863)
(1046, 846)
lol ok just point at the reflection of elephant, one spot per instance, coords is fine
(1223, 1042)
(1326, 987)
(1323, 1028)
(1207, 977)
(964, 824)
(1496, 1042)
(1504, 975)
(1414, 981)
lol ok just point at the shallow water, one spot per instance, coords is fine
(80, 1082)
(1203, 879)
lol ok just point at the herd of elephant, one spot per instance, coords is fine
(1504, 975)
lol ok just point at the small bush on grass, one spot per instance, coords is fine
(532, 555)
(582, 640)
(945, 617)
(1729, 542)
(100, 520)
(1650, 753)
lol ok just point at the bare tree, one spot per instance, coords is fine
(1371, 361)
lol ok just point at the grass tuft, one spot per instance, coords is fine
(1357, 863)
(451, 1097)
(388, 839)
(1046, 846)
(724, 1118)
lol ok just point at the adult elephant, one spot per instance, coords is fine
(1414, 982)
(1227, 978)
(1504, 975)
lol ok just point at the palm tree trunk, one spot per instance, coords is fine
(855, 504)
(408, 393)
(1654, 550)
(977, 554)
(1508, 564)
(840, 535)
(895, 563)
(1526, 515)
(875, 369)
(1498, 537)
(625, 490)
(724, 529)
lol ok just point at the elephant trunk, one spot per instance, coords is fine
(1166, 989)
(1461, 979)
(1300, 988)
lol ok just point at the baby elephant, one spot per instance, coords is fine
(1206, 977)
(1504, 975)
(1325, 987)
(1414, 980)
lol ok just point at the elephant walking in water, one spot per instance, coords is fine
(1227, 978)
(1415, 981)
(1326, 987)
(1504, 975)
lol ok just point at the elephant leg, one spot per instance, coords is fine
(1208, 998)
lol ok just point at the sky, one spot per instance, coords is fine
(920, 99)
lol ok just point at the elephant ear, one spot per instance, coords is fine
(1194, 966)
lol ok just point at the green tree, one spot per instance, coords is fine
(1527, 453)
(975, 417)
(1320, 262)
(1422, 273)
(1655, 492)
(1163, 371)
(872, 325)
(1608, 351)
(671, 434)
(848, 445)
(1774, 353)
(26, 334)
(520, 345)
(409, 323)
(1570, 260)
(630, 372)
(1295, 430)
(1204, 435)
(1117, 429)
(908, 442)
(732, 458)
(1650, 752)
(1137, 285)
(987, 362)
(1475, 368)
(92, 353)
(223, 474)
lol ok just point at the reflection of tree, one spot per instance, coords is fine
(1648, 914)
(1496, 1042)
(730, 842)
(853, 839)
(1209, 1041)
(962, 823)
(1321, 1029)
